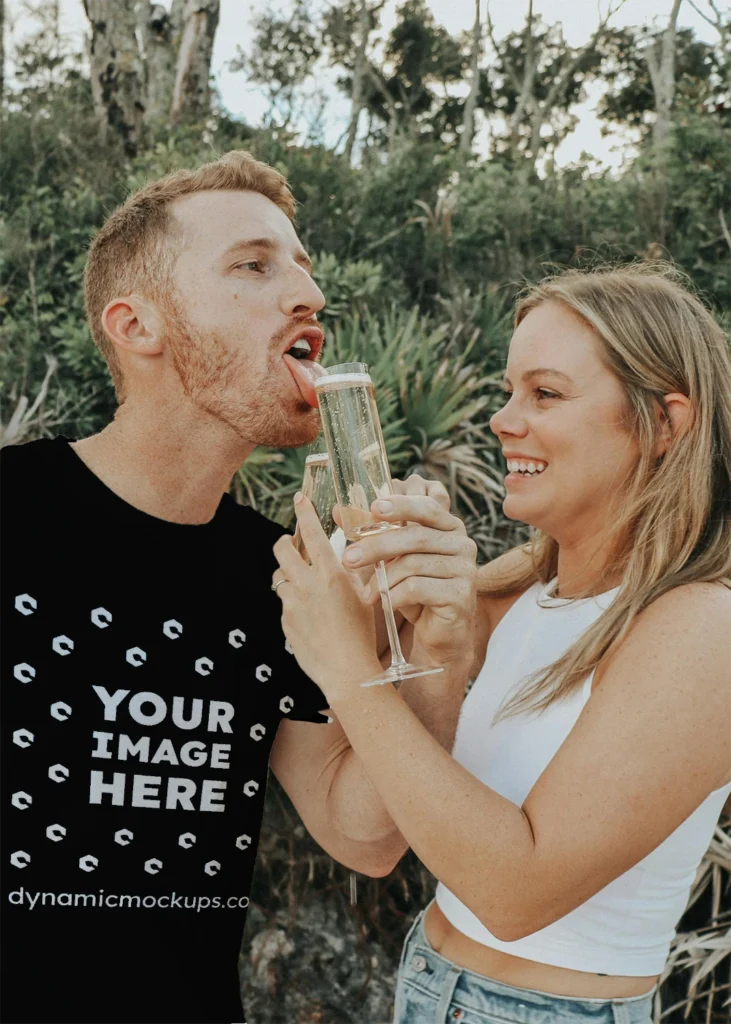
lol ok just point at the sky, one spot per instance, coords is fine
(249, 102)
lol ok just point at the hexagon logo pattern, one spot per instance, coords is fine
(25, 604)
(60, 711)
(263, 673)
(251, 787)
(237, 638)
(257, 731)
(136, 656)
(285, 705)
(24, 672)
(288, 647)
(56, 833)
(212, 867)
(58, 773)
(186, 840)
(153, 866)
(172, 629)
(62, 644)
(101, 617)
(88, 862)
(20, 859)
(21, 800)
(23, 737)
(204, 666)
(243, 842)
(123, 836)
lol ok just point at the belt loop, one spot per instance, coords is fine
(450, 984)
(620, 1013)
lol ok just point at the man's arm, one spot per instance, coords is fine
(330, 789)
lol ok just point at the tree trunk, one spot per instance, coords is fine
(161, 36)
(660, 57)
(117, 72)
(468, 125)
(191, 90)
(359, 73)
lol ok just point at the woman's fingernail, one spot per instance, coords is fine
(384, 506)
(298, 497)
(353, 554)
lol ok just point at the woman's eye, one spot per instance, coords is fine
(544, 393)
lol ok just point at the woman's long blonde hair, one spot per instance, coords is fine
(674, 525)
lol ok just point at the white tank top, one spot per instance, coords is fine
(625, 928)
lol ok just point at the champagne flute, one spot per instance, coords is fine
(360, 473)
(317, 485)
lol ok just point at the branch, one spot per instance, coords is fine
(715, 24)
(724, 228)
(509, 67)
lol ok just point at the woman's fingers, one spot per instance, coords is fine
(451, 597)
(438, 567)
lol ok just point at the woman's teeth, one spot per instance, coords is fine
(527, 468)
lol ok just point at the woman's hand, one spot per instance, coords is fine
(431, 569)
(325, 616)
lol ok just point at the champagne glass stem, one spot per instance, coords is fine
(397, 657)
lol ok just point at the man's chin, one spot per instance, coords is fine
(303, 428)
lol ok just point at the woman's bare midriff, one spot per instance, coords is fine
(453, 945)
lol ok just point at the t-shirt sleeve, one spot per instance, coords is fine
(301, 698)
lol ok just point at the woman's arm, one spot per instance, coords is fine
(650, 745)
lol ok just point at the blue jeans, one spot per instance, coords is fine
(433, 990)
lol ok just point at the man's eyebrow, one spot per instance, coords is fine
(267, 245)
(541, 371)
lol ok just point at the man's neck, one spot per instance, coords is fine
(171, 467)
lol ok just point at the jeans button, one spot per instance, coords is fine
(418, 963)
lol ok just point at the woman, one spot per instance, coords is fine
(593, 752)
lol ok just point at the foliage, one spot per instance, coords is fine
(420, 253)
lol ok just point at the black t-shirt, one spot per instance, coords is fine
(144, 675)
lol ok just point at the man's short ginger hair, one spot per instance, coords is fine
(136, 248)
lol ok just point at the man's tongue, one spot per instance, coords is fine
(305, 373)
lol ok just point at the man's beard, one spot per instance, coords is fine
(220, 382)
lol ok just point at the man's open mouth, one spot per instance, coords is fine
(300, 356)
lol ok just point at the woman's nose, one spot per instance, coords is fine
(508, 421)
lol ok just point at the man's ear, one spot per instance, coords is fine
(134, 324)
(675, 423)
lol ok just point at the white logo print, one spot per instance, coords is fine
(60, 711)
(101, 617)
(20, 859)
(236, 638)
(21, 800)
(24, 672)
(186, 840)
(263, 673)
(56, 833)
(62, 644)
(135, 656)
(288, 647)
(251, 787)
(285, 705)
(257, 731)
(243, 842)
(204, 666)
(212, 867)
(123, 836)
(88, 863)
(23, 738)
(58, 772)
(172, 629)
(153, 866)
(25, 604)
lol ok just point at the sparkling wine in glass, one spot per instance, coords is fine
(317, 485)
(360, 473)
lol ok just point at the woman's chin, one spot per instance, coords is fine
(519, 509)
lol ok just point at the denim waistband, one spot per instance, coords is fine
(445, 981)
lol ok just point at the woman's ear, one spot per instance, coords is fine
(675, 422)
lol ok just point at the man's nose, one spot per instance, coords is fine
(303, 297)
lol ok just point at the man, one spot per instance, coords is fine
(146, 684)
